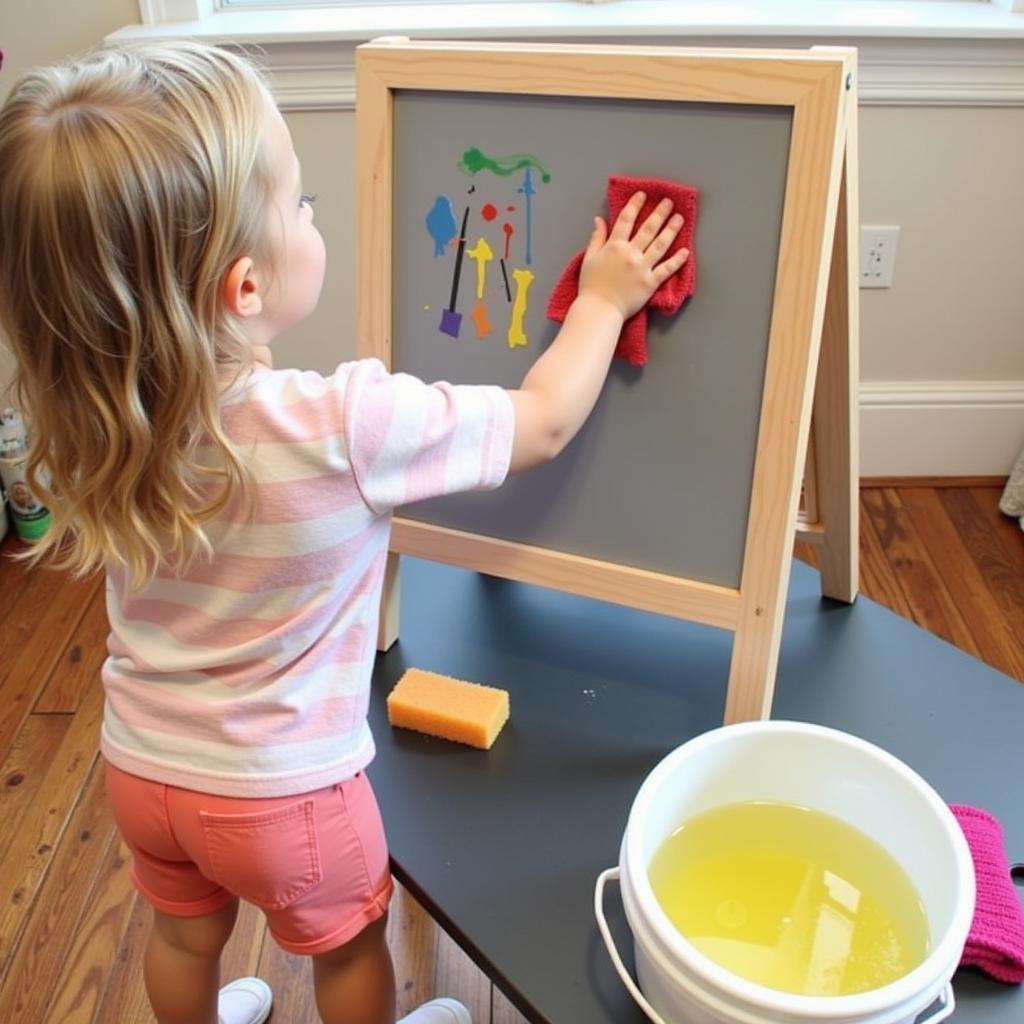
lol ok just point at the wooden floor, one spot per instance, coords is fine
(71, 927)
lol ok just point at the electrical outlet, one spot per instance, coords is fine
(878, 256)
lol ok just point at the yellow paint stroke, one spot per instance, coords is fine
(481, 255)
(483, 325)
(523, 279)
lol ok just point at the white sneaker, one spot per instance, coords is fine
(245, 1001)
(439, 1011)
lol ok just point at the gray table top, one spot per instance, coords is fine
(503, 846)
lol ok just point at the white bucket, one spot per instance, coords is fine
(815, 767)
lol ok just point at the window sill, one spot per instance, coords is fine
(626, 18)
(934, 53)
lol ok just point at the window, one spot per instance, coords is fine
(819, 11)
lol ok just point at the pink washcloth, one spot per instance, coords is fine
(995, 943)
(670, 296)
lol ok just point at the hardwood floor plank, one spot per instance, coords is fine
(23, 771)
(458, 977)
(1006, 528)
(49, 934)
(931, 482)
(291, 978)
(80, 662)
(502, 1010)
(413, 937)
(15, 575)
(22, 617)
(930, 603)
(968, 566)
(998, 558)
(82, 984)
(31, 850)
(246, 946)
(807, 553)
(877, 579)
(124, 1000)
(32, 642)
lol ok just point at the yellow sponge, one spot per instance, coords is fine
(450, 708)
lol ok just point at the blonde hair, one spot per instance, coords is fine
(131, 180)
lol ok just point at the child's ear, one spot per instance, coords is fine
(241, 290)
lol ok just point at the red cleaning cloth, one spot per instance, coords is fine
(995, 943)
(670, 296)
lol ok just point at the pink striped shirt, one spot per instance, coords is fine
(248, 673)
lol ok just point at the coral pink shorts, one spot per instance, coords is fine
(315, 863)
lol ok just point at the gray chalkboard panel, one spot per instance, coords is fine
(660, 477)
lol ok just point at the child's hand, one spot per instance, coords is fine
(625, 271)
(619, 274)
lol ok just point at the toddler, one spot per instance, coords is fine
(156, 239)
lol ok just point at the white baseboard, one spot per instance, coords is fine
(940, 428)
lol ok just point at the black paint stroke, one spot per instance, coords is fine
(458, 262)
(504, 274)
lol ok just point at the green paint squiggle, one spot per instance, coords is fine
(475, 160)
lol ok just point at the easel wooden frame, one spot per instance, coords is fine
(818, 237)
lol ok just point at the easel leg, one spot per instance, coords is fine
(835, 418)
(755, 656)
(387, 629)
(830, 481)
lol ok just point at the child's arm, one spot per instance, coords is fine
(618, 276)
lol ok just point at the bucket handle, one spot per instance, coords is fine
(946, 1004)
(612, 874)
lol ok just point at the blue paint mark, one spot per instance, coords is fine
(441, 223)
(529, 191)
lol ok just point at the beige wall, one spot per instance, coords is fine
(35, 31)
(951, 179)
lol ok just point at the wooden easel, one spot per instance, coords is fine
(830, 518)
(809, 407)
(831, 509)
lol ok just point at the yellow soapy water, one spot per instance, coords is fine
(791, 898)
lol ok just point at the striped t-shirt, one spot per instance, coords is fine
(248, 673)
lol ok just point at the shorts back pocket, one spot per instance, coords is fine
(269, 858)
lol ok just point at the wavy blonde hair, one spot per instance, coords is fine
(131, 180)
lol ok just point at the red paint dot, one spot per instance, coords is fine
(489, 212)
(511, 209)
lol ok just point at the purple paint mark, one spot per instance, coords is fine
(450, 323)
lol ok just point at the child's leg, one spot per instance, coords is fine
(355, 983)
(182, 966)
